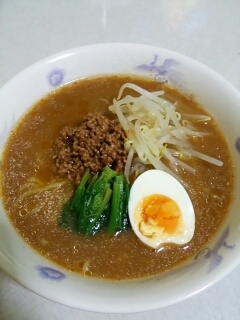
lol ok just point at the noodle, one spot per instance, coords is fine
(40, 189)
(85, 267)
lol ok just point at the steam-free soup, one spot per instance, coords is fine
(28, 162)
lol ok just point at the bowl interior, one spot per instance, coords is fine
(215, 261)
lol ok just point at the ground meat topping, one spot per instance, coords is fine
(96, 143)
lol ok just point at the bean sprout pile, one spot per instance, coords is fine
(155, 130)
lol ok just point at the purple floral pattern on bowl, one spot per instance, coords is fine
(238, 144)
(212, 254)
(55, 77)
(165, 72)
(50, 273)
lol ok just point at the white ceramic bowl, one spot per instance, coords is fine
(220, 98)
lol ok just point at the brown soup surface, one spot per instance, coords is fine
(28, 160)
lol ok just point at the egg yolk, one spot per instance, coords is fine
(159, 210)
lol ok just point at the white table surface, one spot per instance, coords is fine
(206, 30)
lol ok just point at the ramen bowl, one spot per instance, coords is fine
(211, 264)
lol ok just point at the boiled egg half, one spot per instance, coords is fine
(160, 210)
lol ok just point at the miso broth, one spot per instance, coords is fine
(28, 157)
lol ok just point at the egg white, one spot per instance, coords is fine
(160, 182)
